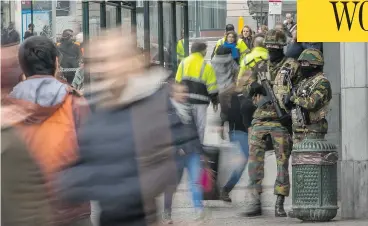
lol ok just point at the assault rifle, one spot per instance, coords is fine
(300, 116)
(270, 95)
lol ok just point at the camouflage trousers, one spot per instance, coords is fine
(282, 144)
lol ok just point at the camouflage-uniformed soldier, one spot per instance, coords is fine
(313, 95)
(266, 123)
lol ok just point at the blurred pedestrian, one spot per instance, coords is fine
(247, 36)
(226, 70)
(132, 104)
(69, 54)
(30, 32)
(49, 129)
(231, 40)
(258, 53)
(23, 191)
(294, 48)
(12, 34)
(200, 78)
(46, 31)
(240, 44)
(289, 22)
(263, 29)
(239, 115)
(180, 51)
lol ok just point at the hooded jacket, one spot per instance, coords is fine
(127, 150)
(226, 69)
(23, 187)
(47, 100)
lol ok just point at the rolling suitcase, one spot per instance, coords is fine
(209, 174)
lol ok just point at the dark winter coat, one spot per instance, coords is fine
(127, 153)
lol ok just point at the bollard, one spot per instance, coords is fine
(314, 179)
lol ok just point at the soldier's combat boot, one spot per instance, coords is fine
(279, 207)
(254, 207)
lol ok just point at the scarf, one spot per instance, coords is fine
(234, 50)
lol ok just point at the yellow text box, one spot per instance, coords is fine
(328, 21)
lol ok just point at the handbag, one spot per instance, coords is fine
(206, 178)
(209, 173)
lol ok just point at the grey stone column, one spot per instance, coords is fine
(332, 69)
(354, 144)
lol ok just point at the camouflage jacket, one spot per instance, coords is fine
(313, 95)
(279, 85)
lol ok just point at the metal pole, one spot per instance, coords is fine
(53, 20)
(133, 17)
(147, 36)
(133, 21)
(173, 36)
(85, 21)
(261, 13)
(103, 14)
(186, 28)
(197, 20)
(32, 14)
(118, 16)
(160, 12)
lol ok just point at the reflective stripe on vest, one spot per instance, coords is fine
(194, 79)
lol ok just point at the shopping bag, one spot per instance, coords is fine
(206, 179)
(209, 173)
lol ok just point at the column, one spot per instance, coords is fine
(332, 69)
(354, 115)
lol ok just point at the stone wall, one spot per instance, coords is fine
(354, 144)
(332, 70)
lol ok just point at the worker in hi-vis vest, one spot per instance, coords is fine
(200, 78)
(180, 50)
(240, 45)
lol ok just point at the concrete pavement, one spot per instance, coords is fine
(220, 213)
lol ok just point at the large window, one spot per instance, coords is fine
(126, 19)
(110, 16)
(206, 15)
(94, 19)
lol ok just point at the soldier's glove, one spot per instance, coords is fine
(256, 88)
(285, 120)
(288, 101)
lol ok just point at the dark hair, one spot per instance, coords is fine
(30, 25)
(229, 27)
(222, 50)
(232, 33)
(67, 34)
(198, 47)
(37, 56)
